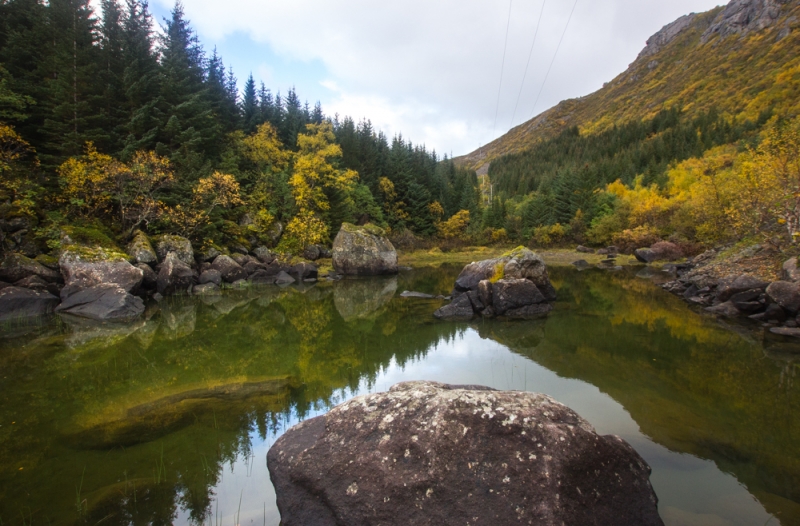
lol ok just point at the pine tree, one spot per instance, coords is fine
(249, 107)
(140, 81)
(112, 75)
(74, 101)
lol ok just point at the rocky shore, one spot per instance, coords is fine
(112, 286)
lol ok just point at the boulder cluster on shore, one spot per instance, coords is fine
(776, 305)
(111, 286)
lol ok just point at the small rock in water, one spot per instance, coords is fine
(420, 295)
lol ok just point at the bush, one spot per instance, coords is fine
(667, 251)
(545, 236)
(629, 240)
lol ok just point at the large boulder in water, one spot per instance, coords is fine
(515, 286)
(17, 303)
(103, 302)
(432, 454)
(363, 251)
(84, 268)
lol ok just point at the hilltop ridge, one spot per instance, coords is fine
(741, 59)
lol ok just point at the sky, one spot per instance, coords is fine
(450, 74)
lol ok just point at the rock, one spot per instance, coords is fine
(460, 309)
(666, 251)
(645, 255)
(485, 292)
(141, 250)
(475, 299)
(474, 273)
(584, 250)
(529, 312)
(363, 251)
(242, 259)
(726, 309)
(16, 267)
(32, 282)
(526, 264)
(774, 313)
(747, 296)
(304, 271)
(209, 254)
(149, 277)
(240, 284)
(311, 253)
(581, 264)
(240, 249)
(726, 288)
(211, 276)
(252, 267)
(17, 303)
(666, 35)
(49, 262)
(509, 294)
(786, 331)
(181, 246)
(283, 279)
(785, 294)
(324, 252)
(453, 455)
(262, 277)
(103, 302)
(85, 268)
(175, 276)
(275, 232)
(419, 295)
(264, 255)
(790, 271)
(229, 269)
(741, 17)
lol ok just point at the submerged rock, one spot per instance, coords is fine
(453, 455)
(17, 303)
(103, 302)
(363, 251)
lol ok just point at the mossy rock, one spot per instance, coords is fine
(369, 228)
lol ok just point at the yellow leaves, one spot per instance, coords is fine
(314, 170)
(88, 181)
(12, 147)
(265, 149)
(436, 210)
(303, 230)
(456, 226)
(218, 190)
(647, 205)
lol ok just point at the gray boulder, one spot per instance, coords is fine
(211, 276)
(181, 246)
(141, 250)
(229, 269)
(33, 283)
(645, 255)
(584, 250)
(311, 252)
(453, 455)
(791, 270)
(460, 309)
(264, 255)
(175, 276)
(84, 268)
(262, 277)
(103, 302)
(16, 267)
(728, 287)
(149, 277)
(785, 294)
(363, 251)
(512, 294)
(208, 255)
(17, 303)
(727, 310)
(304, 271)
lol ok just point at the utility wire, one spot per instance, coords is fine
(554, 59)
(527, 64)
(502, 68)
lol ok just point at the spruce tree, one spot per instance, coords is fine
(250, 109)
(112, 75)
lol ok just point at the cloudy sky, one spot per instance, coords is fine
(431, 69)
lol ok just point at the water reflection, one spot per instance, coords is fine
(169, 420)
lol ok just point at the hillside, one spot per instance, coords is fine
(741, 60)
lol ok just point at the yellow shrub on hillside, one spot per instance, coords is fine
(456, 226)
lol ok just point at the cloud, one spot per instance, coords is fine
(432, 69)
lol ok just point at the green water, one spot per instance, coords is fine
(169, 420)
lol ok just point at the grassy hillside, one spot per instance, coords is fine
(700, 62)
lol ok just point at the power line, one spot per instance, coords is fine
(502, 67)
(527, 64)
(554, 58)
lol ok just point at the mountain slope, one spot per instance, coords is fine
(742, 60)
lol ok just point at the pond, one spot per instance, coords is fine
(169, 420)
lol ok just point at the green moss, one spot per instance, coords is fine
(499, 272)
(93, 236)
(516, 252)
(369, 228)
(47, 261)
(96, 253)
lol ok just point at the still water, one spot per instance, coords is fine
(168, 421)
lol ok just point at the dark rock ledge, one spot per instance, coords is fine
(426, 453)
